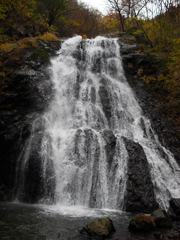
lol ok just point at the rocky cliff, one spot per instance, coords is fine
(25, 90)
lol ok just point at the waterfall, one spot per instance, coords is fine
(78, 147)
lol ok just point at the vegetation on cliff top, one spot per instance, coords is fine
(156, 26)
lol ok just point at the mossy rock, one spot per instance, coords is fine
(101, 227)
(142, 223)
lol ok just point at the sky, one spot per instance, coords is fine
(101, 5)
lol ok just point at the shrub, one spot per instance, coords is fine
(84, 36)
(49, 37)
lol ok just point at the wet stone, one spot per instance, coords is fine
(101, 227)
(142, 223)
(105, 100)
(161, 219)
(76, 90)
(110, 146)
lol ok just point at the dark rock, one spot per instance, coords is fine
(161, 219)
(142, 223)
(25, 91)
(164, 127)
(132, 62)
(105, 100)
(159, 235)
(35, 180)
(140, 195)
(143, 127)
(128, 38)
(76, 90)
(127, 49)
(100, 227)
(175, 205)
(110, 146)
(93, 95)
(96, 66)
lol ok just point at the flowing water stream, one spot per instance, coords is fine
(79, 139)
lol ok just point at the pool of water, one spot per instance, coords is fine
(42, 222)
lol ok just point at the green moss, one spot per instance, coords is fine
(40, 56)
(101, 227)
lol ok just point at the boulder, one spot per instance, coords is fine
(127, 49)
(142, 223)
(128, 38)
(175, 205)
(161, 219)
(101, 227)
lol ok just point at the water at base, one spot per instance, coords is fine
(41, 222)
(82, 131)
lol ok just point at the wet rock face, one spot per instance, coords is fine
(105, 100)
(38, 180)
(127, 49)
(175, 205)
(110, 146)
(167, 132)
(139, 190)
(132, 62)
(24, 93)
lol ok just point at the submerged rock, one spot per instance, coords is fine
(101, 227)
(142, 223)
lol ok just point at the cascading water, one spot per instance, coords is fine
(80, 139)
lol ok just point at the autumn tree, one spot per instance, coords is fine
(52, 10)
(117, 7)
(17, 16)
(109, 23)
(80, 19)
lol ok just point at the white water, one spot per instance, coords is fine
(74, 124)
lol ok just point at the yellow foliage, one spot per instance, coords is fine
(49, 37)
(109, 23)
(28, 43)
(148, 79)
(2, 74)
(52, 28)
(24, 43)
(140, 72)
(84, 36)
